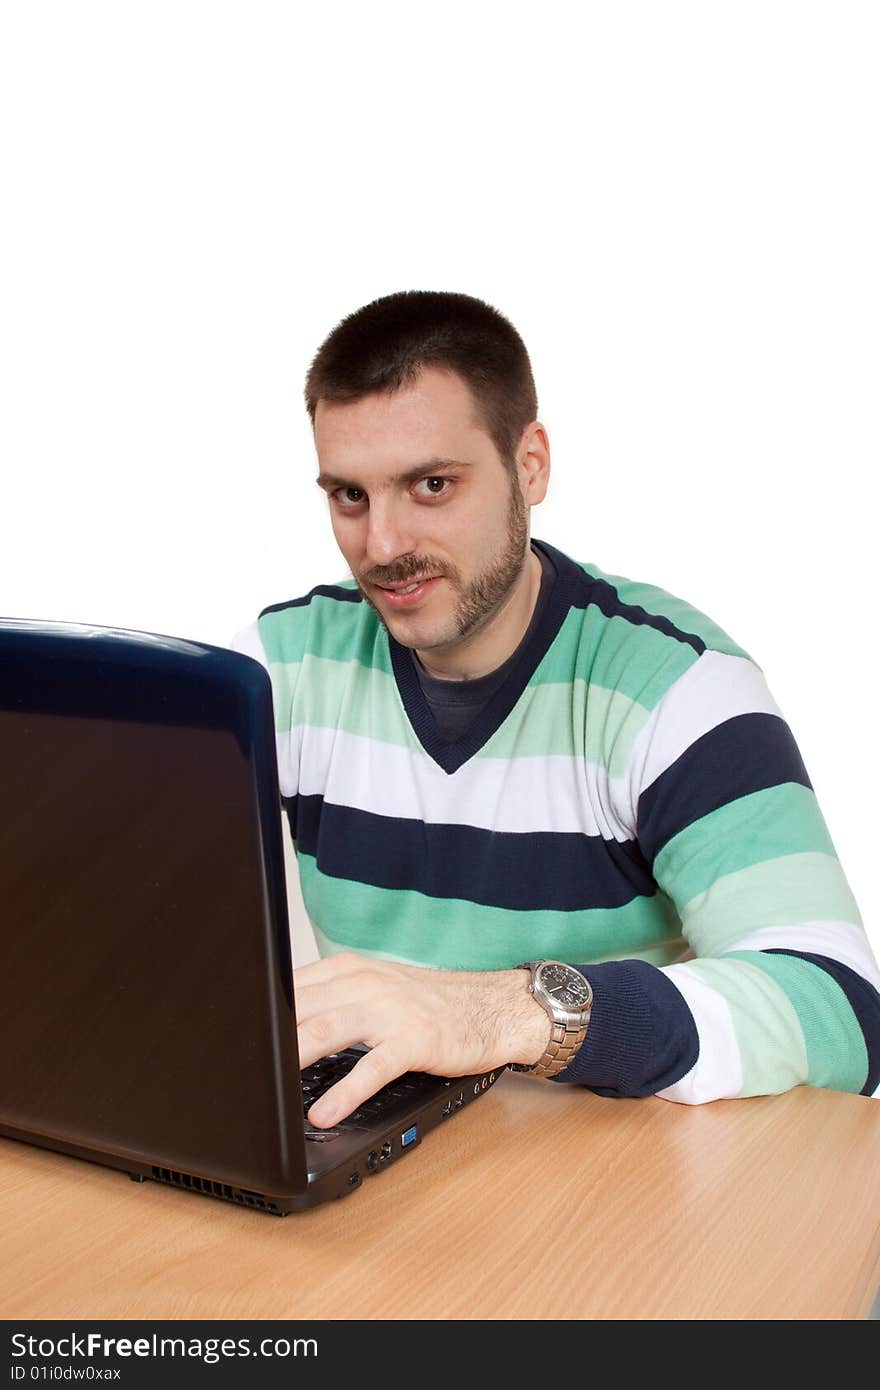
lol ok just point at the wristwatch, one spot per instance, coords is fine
(566, 995)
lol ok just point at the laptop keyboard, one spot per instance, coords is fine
(324, 1073)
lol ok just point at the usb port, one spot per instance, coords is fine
(409, 1135)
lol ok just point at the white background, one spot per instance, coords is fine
(676, 204)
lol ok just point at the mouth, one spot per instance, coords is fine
(408, 595)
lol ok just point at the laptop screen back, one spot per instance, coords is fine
(145, 974)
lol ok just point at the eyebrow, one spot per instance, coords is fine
(330, 481)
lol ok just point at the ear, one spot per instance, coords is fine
(533, 463)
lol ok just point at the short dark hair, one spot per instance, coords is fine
(384, 346)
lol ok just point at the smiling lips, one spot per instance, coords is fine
(408, 595)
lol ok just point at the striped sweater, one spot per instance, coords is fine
(631, 800)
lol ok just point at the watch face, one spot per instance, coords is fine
(564, 985)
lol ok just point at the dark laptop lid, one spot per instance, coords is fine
(146, 1006)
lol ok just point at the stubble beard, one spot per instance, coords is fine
(478, 600)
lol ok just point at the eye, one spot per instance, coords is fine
(348, 497)
(434, 487)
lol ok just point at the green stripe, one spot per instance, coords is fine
(663, 604)
(340, 695)
(631, 649)
(548, 720)
(334, 628)
(782, 892)
(836, 1052)
(656, 955)
(773, 1053)
(565, 721)
(764, 825)
(453, 934)
(638, 662)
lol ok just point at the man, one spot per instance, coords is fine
(492, 755)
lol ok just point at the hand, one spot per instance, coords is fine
(447, 1022)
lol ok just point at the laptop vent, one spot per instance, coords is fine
(241, 1195)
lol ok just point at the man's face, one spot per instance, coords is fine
(420, 496)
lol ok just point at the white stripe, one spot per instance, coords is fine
(288, 752)
(557, 793)
(716, 688)
(842, 941)
(717, 1072)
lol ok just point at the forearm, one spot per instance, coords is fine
(505, 1010)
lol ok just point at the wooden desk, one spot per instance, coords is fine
(764, 1208)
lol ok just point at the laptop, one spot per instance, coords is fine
(147, 1015)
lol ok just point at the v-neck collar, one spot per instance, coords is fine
(451, 754)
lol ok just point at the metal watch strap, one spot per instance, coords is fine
(564, 1043)
(566, 1037)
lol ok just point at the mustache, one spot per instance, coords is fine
(406, 571)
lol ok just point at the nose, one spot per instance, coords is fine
(389, 533)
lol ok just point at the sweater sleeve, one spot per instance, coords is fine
(779, 987)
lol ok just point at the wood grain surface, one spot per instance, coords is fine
(541, 1202)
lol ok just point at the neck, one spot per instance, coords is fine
(490, 646)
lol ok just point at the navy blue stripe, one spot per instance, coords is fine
(642, 1036)
(323, 590)
(864, 1001)
(522, 872)
(291, 807)
(743, 755)
(587, 590)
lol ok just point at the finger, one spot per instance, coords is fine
(330, 1031)
(375, 1070)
